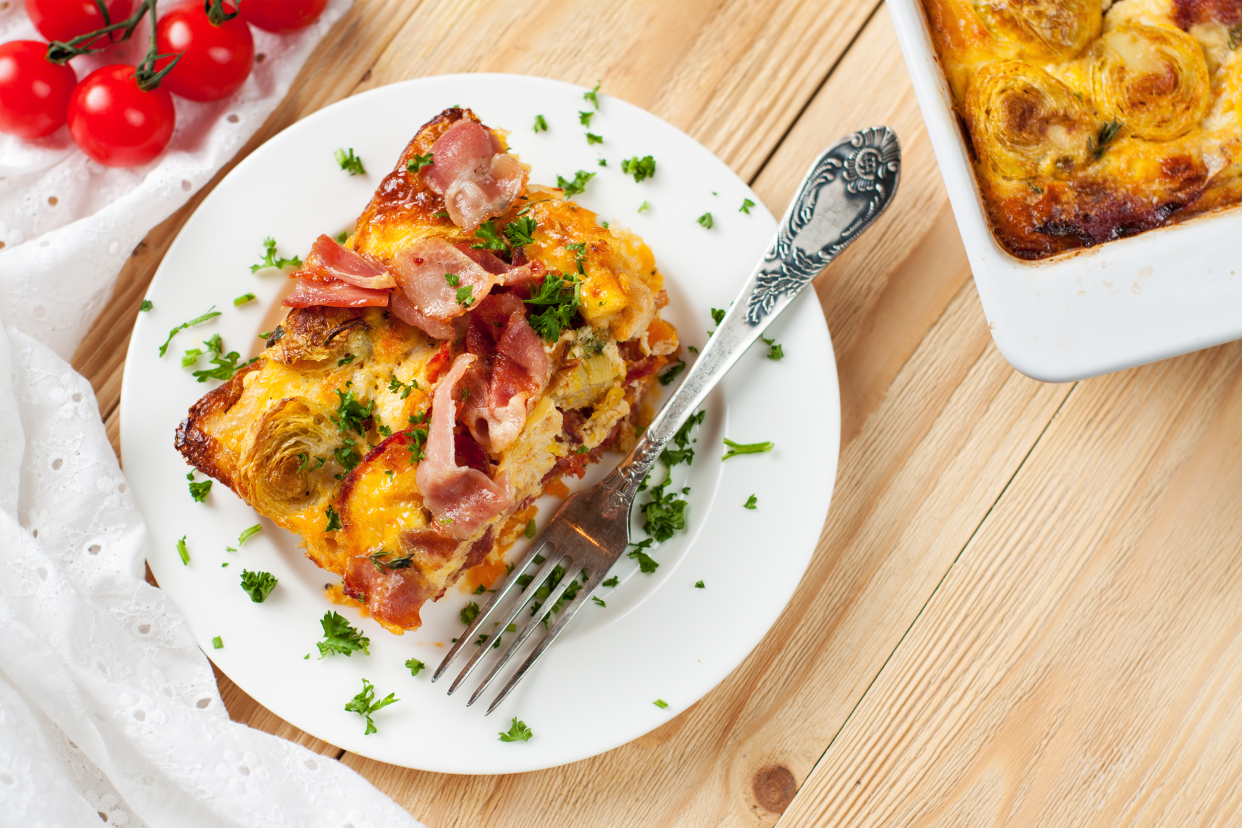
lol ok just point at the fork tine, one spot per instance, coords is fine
(549, 564)
(567, 615)
(535, 621)
(486, 612)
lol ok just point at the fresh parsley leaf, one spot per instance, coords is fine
(577, 185)
(386, 432)
(718, 315)
(664, 514)
(249, 533)
(198, 490)
(304, 457)
(341, 237)
(746, 448)
(258, 585)
(479, 590)
(584, 118)
(217, 643)
(270, 260)
(746, 205)
(518, 732)
(705, 220)
(340, 638)
(645, 562)
(419, 161)
(641, 168)
(469, 612)
(683, 453)
(243, 299)
(350, 413)
(521, 232)
(592, 97)
(385, 564)
(752, 502)
(334, 520)
(594, 139)
(465, 298)
(145, 306)
(226, 364)
(645, 206)
(492, 239)
(402, 389)
(775, 352)
(415, 666)
(347, 455)
(418, 438)
(540, 124)
(560, 299)
(211, 313)
(349, 162)
(598, 600)
(700, 585)
(182, 552)
(345, 360)
(452, 279)
(660, 703)
(673, 372)
(603, 162)
(364, 704)
(531, 529)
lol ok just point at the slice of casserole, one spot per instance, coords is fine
(475, 340)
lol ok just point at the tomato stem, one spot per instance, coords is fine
(216, 13)
(145, 73)
(61, 52)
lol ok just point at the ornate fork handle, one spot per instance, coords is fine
(846, 189)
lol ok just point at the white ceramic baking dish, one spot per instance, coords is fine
(1124, 303)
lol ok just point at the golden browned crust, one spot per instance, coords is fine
(198, 447)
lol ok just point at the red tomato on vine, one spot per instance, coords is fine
(34, 94)
(64, 20)
(116, 122)
(216, 57)
(282, 16)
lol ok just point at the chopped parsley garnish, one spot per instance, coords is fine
(592, 97)
(402, 389)
(270, 260)
(660, 703)
(746, 448)
(492, 240)
(243, 299)
(577, 185)
(386, 432)
(645, 206)
(1108, 134)
(211, 313)
(598, 600)
(347, 455)
(465, 298)
(673, 372)
(559, 297)
(518, 732)
(581, 450)
(700, 585)
(683, 453)
(334, 520)
(351, 414)
(705, 220)
(594, 139)
(303, 457)
(775, 352)
(349, 162)
(391, 564)
(746, 205)
(531, 529)
(717, 316)
(521, 232)
(664, 514)
(364, 704)
(182, 552)
(341, 236)
(217, 643)
(226, 364)
(339, 638)
(640, 168)
(645, 562)
(418, 437)
(198, 490)
(611, 582)
(479, 590)
(419, 161)
(258, 585)
(247, 534)
(603, 162)
(540, 124)
(469, 612)
(452, 279)
(415, 666)
(145, 306)
(752, 502)
(584, 118)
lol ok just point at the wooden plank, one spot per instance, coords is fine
(935, 424)
(1082, 662)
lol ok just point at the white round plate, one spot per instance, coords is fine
(659, 637)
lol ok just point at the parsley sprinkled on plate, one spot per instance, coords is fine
(736, 449)
(339, 638)
(700, 585)
(521, 232)
(592, 138)
(217, 643)
(419, 161)
(660, 703)
(540, 124)
(644, 207)
(469, 612)
(752, 502)
(198, 490)
(531, 529)
(645, 562)
(664, 514)
(641, 168)
(576, 185)
(611, 582)
(145, 306)
(349, 162)
(592, 97)
(341, 236)
(247, 534)
(705, 220)
(211, 313)
(683, 453)
(334, 520)
(243, 299)
(598, 600)
(584, 118)
(226, 364)
(673, 371)
(270, 259)
(258, 585)
(415, 666)
(775, 352)
(182, 552)
(746, 205)
(517, 732)
(364, 704)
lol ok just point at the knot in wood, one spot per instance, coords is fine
(774, 788)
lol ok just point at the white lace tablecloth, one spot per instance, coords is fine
(109, 712)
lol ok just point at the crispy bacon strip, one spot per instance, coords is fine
(333, 294)
(329, 260)
(476, 177)
(421, 271)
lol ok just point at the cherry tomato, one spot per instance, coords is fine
(115, 122)
(282, 16)
(216, 59)
(34, 94)
(66, 19)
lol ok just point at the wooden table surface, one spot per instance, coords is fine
(1026, 604)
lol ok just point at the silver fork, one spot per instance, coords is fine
(847, 187)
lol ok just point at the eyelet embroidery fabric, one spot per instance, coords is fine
(109, 712)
